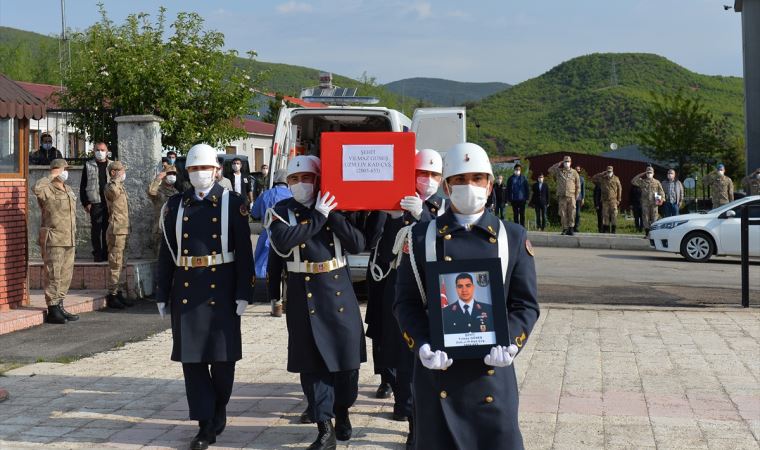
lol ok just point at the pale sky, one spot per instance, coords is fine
(482, 40)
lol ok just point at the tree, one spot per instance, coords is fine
(186, 78)
(274, 107)
(682, 131)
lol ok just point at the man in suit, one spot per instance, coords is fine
(240, 183)
(467, 315)
(539, 199)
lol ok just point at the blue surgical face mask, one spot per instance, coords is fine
(171, 161)
(47, 146)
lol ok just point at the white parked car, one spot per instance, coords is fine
(697, 237)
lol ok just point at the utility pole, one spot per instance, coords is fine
(750, 11)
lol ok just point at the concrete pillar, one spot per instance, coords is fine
(750, 11)
(140, 149)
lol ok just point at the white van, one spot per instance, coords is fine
(298, 131)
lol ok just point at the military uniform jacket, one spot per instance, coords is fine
(159, 192)
(205, 327)
(648, 186)
(568, 182)
(325, 331)
(118, 207)
(470, 405)
(612, 190)
(721, 188)
(59, 214)
(456, 321)
(751, 184)
(381, 324)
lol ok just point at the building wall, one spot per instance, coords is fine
(246, 147)
(13, 243)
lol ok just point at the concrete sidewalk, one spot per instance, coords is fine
(590, 240)
(590, 377)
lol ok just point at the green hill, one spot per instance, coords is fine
(444, 92)
(33, 57)
(588, 102)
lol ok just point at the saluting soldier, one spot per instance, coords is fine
(205, 272)
(751, 183)
(652, 195)
(568, 190)
(389, 352)
(160, 190)
(325, 333)
(117, 233)
(612, 194)
(721, 186)
(472, 404)
(57, 238)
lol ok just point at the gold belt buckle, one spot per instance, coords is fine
(199, 261)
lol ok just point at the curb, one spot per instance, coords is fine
(3, 395)
(590, 240)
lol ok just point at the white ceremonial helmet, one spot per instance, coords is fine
(428, 159)
(466, 158)
(201, 155)
(305, 163)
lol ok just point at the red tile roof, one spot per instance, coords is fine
(258, 127)
(48, 93)
(16, 102)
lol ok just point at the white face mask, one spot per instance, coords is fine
(236, 167)
(303, 192)
(63, 176)
(540, 180)
(757, 176)
(566, 164)
(202, 179)
(468, 199)
(721, 172)
(609, 174)
(650, 175)
(426, 187)
(671, 177)
(123, 176)
(517, 172)
(100, 156)
(171, 179)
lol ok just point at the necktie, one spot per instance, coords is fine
(467, 309)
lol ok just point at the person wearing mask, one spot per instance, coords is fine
(393, 362)
(634, 198)
(181, 183)
(568, 190)
(91, 194)
(673, 195)
(160, 190)
(260, 182)
(205, 272)
(240, 183)
(263, 255)
(117, 233)
(612, 194)
(540, 201)
(46, 153)
(325, 332)
(467, 403)
(721, 186)
(652, 196)
(500, 191)
(223, 181)
(57, 239)
(518, 191)
(751, 183)
(580, 200)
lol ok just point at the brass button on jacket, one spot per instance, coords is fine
(185, 235)
(308, 278)
(489, 399)
(309, 295)
(184, 301)
(444, 394)
(187, 284)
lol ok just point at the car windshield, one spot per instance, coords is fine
(727, 206)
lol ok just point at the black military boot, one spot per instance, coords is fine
(70, 317)
(613, 229)
(326, 437)
(124, 300)
(570, 232)
(343, 427)
(112, 301)
(220, 419)
(646, 233)
(205, 436)
(55, 315)
(564, 232)
(384, 390)
(410, 436)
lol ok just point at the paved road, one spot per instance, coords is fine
(590, 377)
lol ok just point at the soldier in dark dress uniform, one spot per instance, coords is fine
(472, 404)
(325, 333)
(390, 353)
(205, 272)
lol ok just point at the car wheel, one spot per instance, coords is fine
(697, 247)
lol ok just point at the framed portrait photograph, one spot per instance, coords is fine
(466, 307)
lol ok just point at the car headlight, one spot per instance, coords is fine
(668, 225)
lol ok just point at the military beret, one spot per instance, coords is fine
(117, 165)
(58, 163)
(721, 166)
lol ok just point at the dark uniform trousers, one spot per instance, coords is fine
(99, 223)
(325, 333)
(470, 405)
(206, 335)
(393, 355)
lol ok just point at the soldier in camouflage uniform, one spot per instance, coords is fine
(612, 193)
(721, 186)
(161, 188)
(57, 238)
(568, 189)
(751, 183)
(116, 235)
(652, 195)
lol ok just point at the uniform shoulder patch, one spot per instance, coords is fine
(244, 211)
(406, 247)
(529, 248)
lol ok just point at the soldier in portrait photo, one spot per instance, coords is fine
(466, 314)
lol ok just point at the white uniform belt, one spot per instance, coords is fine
(316, 267)
(206, 260)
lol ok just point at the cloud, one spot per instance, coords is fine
(423, 9)
(294, 7)
(459, 14)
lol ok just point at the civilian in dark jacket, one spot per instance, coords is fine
(539, 200)
(46, 153)
(580, 200)
(500, 191)
(518, 191)
(598, 206)
(634, 198)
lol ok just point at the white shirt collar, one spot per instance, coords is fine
(204, 192)
(467, 220)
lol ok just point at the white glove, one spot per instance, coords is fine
(161, 309)
(413, 204)
(501, 356)
(325, 204)
(434, 361)
(241, 305)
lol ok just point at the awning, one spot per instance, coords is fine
(15, 102)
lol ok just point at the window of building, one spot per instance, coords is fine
(9, 149)
(231, 149)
